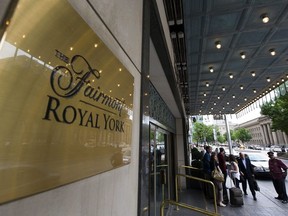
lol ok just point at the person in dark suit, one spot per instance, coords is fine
(247, 172)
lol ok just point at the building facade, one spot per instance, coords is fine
(94, 122)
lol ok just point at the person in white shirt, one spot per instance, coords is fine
(234, 170)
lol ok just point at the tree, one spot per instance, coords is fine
(277, 111)
(202, 132)
(198, 131)
(243, 135)
(221, 138)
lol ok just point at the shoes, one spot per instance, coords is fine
(285, 201)
(221, 204)
(279, 198)
(245, 193)
(254, 198)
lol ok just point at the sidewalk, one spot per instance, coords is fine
(265, 205)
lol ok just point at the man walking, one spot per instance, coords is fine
(247, 172)
(278, 171)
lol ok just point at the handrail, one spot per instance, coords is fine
(183, 205)
(190, 167)
(198, 179)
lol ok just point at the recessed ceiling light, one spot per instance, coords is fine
(218, 44)
(207, 84)
(241, 87)
(272, 52)
(231, 75)
(265, 18)
(211, 69)
(253, 73)
(223, 88)
(233, 96)
(268, 79)
(242, 54)
(254, 90)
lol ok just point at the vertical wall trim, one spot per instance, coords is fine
(143, 186)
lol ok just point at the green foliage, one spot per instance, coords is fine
(232, 135)
(221, 138)
(204, 133)
(277, 111)
(243, 135)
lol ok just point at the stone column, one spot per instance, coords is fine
(264, 135)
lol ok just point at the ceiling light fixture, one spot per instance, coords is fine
(231, 75)
(272, 52)
(204, 94)
(211, 69)
(218, 97)
(265, 18)
(241, 87)
(233, 96)
(254, 90)
(218, 44)
(268, 79)
(253, 73)
(242, 54)
(223, 88)
(207, 84)
(282, 79)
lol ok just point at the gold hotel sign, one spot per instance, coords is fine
(66, 101)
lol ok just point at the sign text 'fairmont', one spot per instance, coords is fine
(68, 83)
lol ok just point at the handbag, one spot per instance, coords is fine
(218, 175)
(229, 183)
(256, 186)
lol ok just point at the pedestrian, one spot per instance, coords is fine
(278, 171)
(247, 172)
(223, 167)
(218, 184)
(234, 170)
(207, 171)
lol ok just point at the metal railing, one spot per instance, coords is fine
(197, 179)
(184, 205)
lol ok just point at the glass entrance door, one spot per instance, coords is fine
(159, 172)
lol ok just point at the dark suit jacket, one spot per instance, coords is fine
(248, 171)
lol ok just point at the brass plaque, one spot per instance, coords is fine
(66, 101)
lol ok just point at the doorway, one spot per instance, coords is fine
(159, 168)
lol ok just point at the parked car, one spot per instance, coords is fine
(259, 161)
